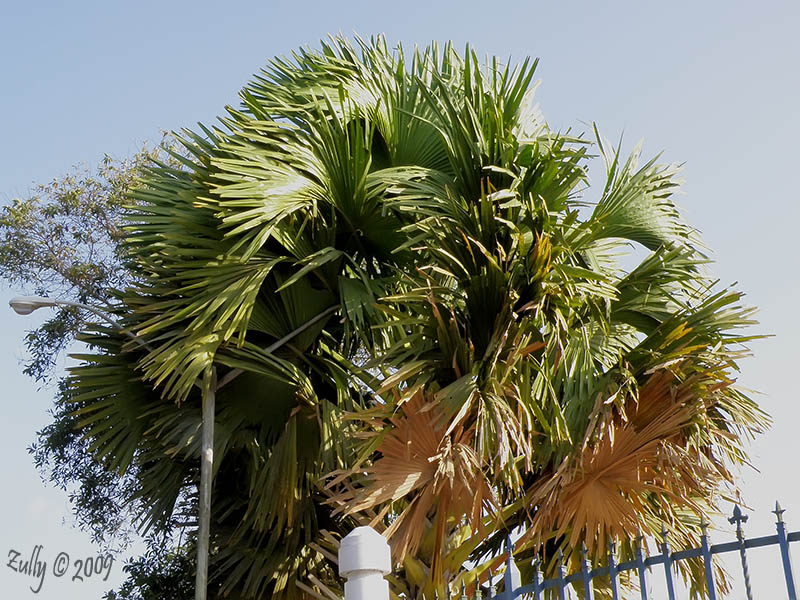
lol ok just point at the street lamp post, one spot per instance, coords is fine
(25, 305)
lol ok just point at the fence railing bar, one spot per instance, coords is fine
(666, 553)
(786, 559)
(686, 554)
(738, 518)
(767, 540)
(540, 585)
(728, 547)
(612, 570)
(508, 582)
(583, 579)
(626, 566)
(707, 564)
(658, 559)
(641, 566)
(549, 583)
(599, 572)
(574, 577)
(562, 582)
(537, 590)
(585, 571)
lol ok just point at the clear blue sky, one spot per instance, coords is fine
(712, 84)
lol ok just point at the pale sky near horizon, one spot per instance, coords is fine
(715, 85)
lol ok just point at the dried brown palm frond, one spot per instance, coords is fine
(431, 476)
(637, 465)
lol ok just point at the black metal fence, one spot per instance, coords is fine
(583, 579)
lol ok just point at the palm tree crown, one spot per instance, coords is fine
(473, 359)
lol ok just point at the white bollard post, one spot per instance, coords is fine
(364, 559)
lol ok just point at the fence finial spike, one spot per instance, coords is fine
(704, 524)
(509, 544)
(560, 556)
(664, 532)
(779, 511)
(612, 546)
(738, 518)
(584, 549)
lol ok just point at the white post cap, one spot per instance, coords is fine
(364, 549)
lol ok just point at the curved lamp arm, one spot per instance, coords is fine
(25, 305)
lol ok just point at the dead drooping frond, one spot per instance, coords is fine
(426, 474)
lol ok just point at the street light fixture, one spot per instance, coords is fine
(25, 305)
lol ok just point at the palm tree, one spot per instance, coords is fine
(473, 359)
